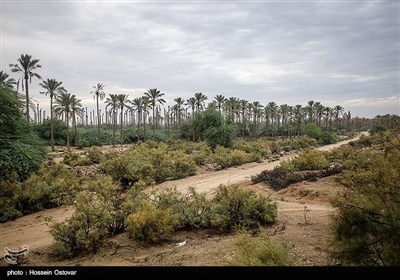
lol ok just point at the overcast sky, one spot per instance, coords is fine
(335, 52)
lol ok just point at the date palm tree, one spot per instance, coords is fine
(63, 105)
(192, 103)
(52, 88)
(310, 110)
(76, 109)
(26, 66)
(319, 108)
(98, 93)
(122, 103)
(273, 110)
(200, 99)
(112, 103)
(145, 110)
(137, 105)
(337, 111)
(154, 97)
(179, 103)
(220, 99)
(5, 80)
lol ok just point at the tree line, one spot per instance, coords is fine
(253, 119)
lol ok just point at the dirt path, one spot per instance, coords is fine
(33, 229)
(209, 181)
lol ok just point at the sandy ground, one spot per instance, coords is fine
(304, 237)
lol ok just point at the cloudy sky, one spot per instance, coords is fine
(336, 52)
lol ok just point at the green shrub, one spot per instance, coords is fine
(259, 251)
(151, 223)
(71, 158)
(193, 210)
(10, 192)
(95, 155)
(313, 131)
(149, 162)
(128, 170)
(43, 130)
(84, 231)
(366, 229)
(224, 157)
(53, 186)
(237, 208)
(309, 160)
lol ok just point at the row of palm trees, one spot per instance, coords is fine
(251, 116)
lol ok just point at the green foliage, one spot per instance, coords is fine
(10, 192)
(313, 131)
(236, 208)
(51, 187)
(84, 231)
(21, 151)
(193, 210)
(90, 137)
(211, 127)
(44, 131)
(309, 160)
(366, 230)
(112, 199)
(224, 157)
(323, 137)
(149, 162)
(377, 128)
(95, 155)
(259, 251)
(151, 223)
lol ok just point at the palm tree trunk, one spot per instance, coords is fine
(144, 126)
(122, 124)
(114, 127)
(67, 118)
(98, 115)
(27, 98)
(154, 124)
(51, 124)
(74, 124)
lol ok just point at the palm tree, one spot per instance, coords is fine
(76, 109)
(179, 103)
(5, 80)
(256, 110)
(220, 101)
(63, 104)
(327, 114)
(137, 104)
(145, 108)
(319, 108)
(310, 110)
(337, 111)
(273, 110)
(112, 102)
(200, 99)
(192, 103)
(26, 67)
(154, 96)
(98, 93)
(298, 115)
(243, 107)
(122, 102)
(53, 89)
